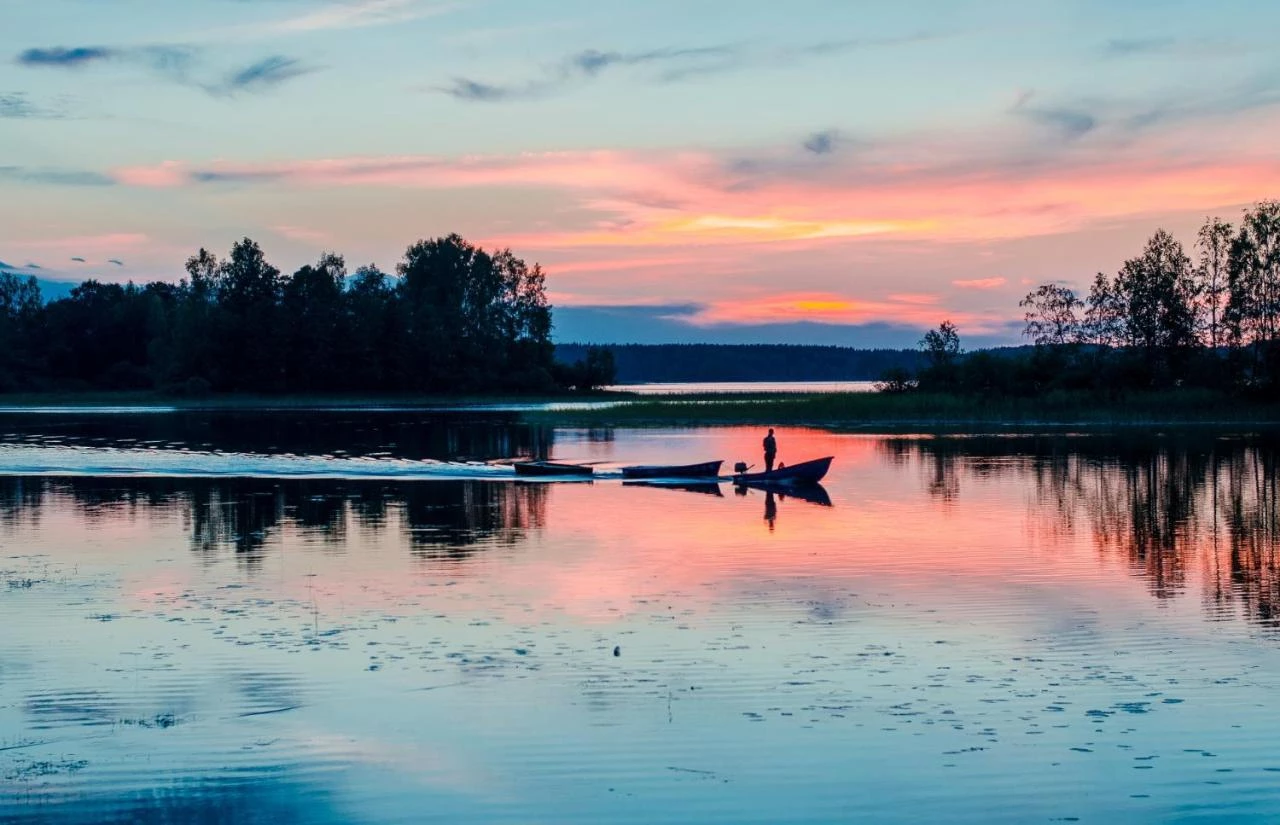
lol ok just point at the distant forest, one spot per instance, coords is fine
(457, 319)
(663, 363)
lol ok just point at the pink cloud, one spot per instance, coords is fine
(656, 199)
(109, 240)
(300, 233)
(771, 234)
(980, 283)
(926, 299)
(163, 175)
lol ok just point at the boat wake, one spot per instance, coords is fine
(118, 462)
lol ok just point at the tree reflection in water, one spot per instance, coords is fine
(443, 520)
(1166, 505)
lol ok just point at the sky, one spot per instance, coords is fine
(684, 170)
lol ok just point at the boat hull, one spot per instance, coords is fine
(707, 469)
(807, 472)
(548, 468)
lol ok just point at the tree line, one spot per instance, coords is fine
(1167, 318)
(454, 318)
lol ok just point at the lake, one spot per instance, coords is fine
(363, 617)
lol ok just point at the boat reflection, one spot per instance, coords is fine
(709, 488)
(811, 493)
(774, 493)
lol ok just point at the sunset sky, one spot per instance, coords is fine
(832, 172)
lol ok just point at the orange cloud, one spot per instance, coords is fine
(830, 308)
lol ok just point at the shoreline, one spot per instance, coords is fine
(856, 411)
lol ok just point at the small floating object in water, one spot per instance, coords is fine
(708, 469)
(617, 650)
(550, 468)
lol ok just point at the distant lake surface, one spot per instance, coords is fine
(728, 387)
(364, 617)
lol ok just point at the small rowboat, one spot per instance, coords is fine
(549, 468)
(707, 469)
(806, 472)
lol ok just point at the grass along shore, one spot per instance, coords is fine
(932, 410)
(833, 410)
(263, 401)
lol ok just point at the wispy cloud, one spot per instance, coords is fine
(57, 177)
(176, 63)
(263, 75)
(358, 14)
(17, 106)
(1164, 46)
(659, 65)
(821, 143)
(80, 248)
(1129, 46)
(300, 233)
(63, 57)
(169, 60)
(1070, 123)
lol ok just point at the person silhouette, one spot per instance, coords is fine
(770, 451)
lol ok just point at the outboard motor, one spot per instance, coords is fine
(740, 467)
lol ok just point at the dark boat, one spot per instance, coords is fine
(806, 472)
(707, 469)
(550, 468)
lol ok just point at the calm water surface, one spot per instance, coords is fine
(357, 617)
(716, 387)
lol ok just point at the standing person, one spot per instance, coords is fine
(770, 451)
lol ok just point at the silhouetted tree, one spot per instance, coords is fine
(596, 370)
(942, 350)
(1214, 243)
(1149, 308)
(374, 334)
(19, 310)
(1051, 315)
(1253, 289)
(246, 355)
(314, 325)
(470, 318)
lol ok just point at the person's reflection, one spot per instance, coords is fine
(770, 509)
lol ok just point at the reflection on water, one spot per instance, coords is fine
(1166, 506)
(438, 520)
(962, 629)
(438, 436)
